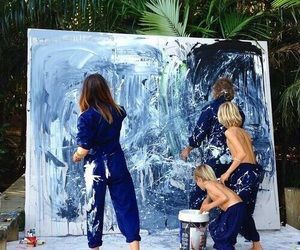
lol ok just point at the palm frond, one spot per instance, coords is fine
(205, 32)
(209, 16)
(164, 18)
(278, 56)
(289, 105)
(135, 7)
(285, 3)
(235, 24)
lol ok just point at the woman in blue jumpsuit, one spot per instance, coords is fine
(243, 175)
(98, 136)
(209, 130)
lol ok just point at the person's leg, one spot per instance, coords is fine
(225, 228)
(125, 205)
(135, 245)
(256, 246)
(249, 232)
(245, 182)
(124, 200)
(219, 232)
(95, 195)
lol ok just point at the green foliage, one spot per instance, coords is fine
(236, 24)
(164, 18)
(276, 22)
(285, 3)
(289, 106)
(135, 7)
(220, 18)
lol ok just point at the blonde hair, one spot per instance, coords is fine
(229, 115)
(205, 172)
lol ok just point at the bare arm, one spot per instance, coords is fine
(206, 201)
(219, 197)
(201, 130)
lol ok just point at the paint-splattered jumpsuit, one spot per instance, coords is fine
(215, 153)
(244, 181)
(106, 159)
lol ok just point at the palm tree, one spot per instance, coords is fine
(18, 15)
(163, 19)
(230, 19)
(290, 105)
(258, 20)
(218, 18)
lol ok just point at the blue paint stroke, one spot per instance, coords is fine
(163, 86)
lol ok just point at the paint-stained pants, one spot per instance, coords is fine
(225, 228)
(245, 182)
(117, 177)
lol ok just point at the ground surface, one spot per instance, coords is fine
(287, 238)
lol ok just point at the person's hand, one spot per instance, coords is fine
(185, 153)
(224, 177)
(205, 208)
(76, 157)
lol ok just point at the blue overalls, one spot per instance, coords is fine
(244, 181)
(106, 166)
(215, 149)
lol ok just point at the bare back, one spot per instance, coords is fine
(215, 190)
(240, 142)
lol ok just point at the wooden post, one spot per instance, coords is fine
(292, 201)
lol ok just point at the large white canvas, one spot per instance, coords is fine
(162, 82)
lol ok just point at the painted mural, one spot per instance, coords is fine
(163, 82)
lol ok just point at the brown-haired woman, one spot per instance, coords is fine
(98, 143)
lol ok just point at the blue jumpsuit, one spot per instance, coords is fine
(245, 182)
(215, 150)
(108, 163)
(225, 228)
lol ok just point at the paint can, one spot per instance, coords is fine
(193, 229)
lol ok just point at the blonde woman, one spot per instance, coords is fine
(225, 228)
(243, 174)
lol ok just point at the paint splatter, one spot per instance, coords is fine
(163, 82)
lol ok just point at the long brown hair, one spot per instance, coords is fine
(95, 93)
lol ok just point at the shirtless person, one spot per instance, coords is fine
(243, 174)
(225, 228)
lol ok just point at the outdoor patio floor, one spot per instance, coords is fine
(286, 238)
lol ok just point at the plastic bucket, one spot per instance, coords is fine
(193, 231)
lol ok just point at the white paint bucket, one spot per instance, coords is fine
(193, 231)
